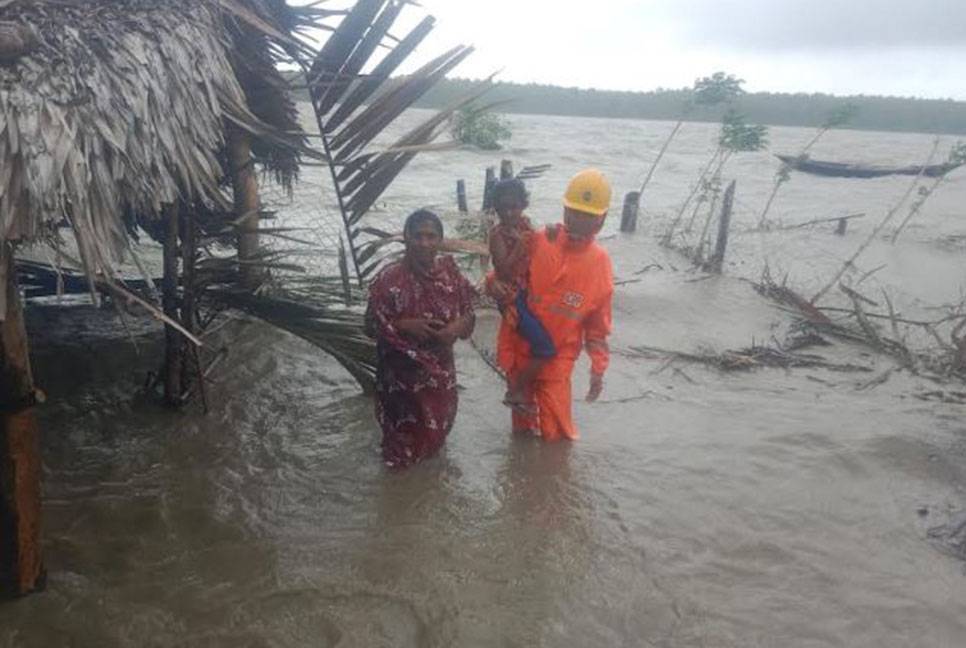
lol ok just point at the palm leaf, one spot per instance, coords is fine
(369, 84)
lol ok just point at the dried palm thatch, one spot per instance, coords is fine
(120, 108)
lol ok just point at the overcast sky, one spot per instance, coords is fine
(894, 47)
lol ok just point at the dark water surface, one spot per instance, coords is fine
(769, 508)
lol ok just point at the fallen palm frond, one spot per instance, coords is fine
(352, 109)
(753, 357)
(337, 331)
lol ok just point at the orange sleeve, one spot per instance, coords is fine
(597, 327)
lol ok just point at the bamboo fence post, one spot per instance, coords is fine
(461, 197)
(724, 224)
(629, 214)
(21, 559)
(169, 302)
(245, 191)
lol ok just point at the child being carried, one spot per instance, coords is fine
(510, 241)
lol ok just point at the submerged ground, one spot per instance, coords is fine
(767, 508)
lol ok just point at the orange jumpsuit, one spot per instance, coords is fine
(570, 291)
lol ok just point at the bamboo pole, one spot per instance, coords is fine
(657, 160)
(245, 190)
(21, 560)
(781, 177)
(917, 207)
(169, 301)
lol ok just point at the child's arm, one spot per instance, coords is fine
(505, 257)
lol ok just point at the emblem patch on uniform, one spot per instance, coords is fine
(573, 299)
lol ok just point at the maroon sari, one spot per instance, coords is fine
(415, 382)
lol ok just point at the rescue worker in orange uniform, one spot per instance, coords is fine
(571, 284)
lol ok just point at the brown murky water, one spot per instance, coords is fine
(770, 508)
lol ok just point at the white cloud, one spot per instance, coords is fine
(645, 44)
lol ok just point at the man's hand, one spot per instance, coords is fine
(596, 387)
(419, 329)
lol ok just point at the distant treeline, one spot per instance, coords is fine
(874, 113)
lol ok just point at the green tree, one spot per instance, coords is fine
(715, 90)
(478, 127)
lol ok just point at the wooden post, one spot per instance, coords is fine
(506, 169)
(461, 196)
(488, 188)
(21, 561)
(724, 223)
(244, 186)
(169, 302)
(629, 215)
(189, 302)
(842, 226)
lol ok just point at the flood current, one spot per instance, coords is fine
(699, 508)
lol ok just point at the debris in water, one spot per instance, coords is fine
(950, 538)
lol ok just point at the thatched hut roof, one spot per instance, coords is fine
(119, 106)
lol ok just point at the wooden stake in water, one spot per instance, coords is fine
(724, 223)
(21, 563)
(245, 193)
(629, 214)
(461, 196)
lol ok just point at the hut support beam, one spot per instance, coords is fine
(21, 562)
(189, 299)
(169, 300)
(245, 189)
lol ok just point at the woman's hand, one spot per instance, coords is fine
(447, 335)
(419, 329)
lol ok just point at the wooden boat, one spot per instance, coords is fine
(844, 170)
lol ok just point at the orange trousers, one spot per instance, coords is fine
(550, 392)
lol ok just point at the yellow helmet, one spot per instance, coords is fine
(588, 192)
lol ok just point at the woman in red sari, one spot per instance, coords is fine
(418, 308)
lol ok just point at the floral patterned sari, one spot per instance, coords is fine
(416, 396)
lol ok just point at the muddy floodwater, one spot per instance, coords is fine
(766, 508)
